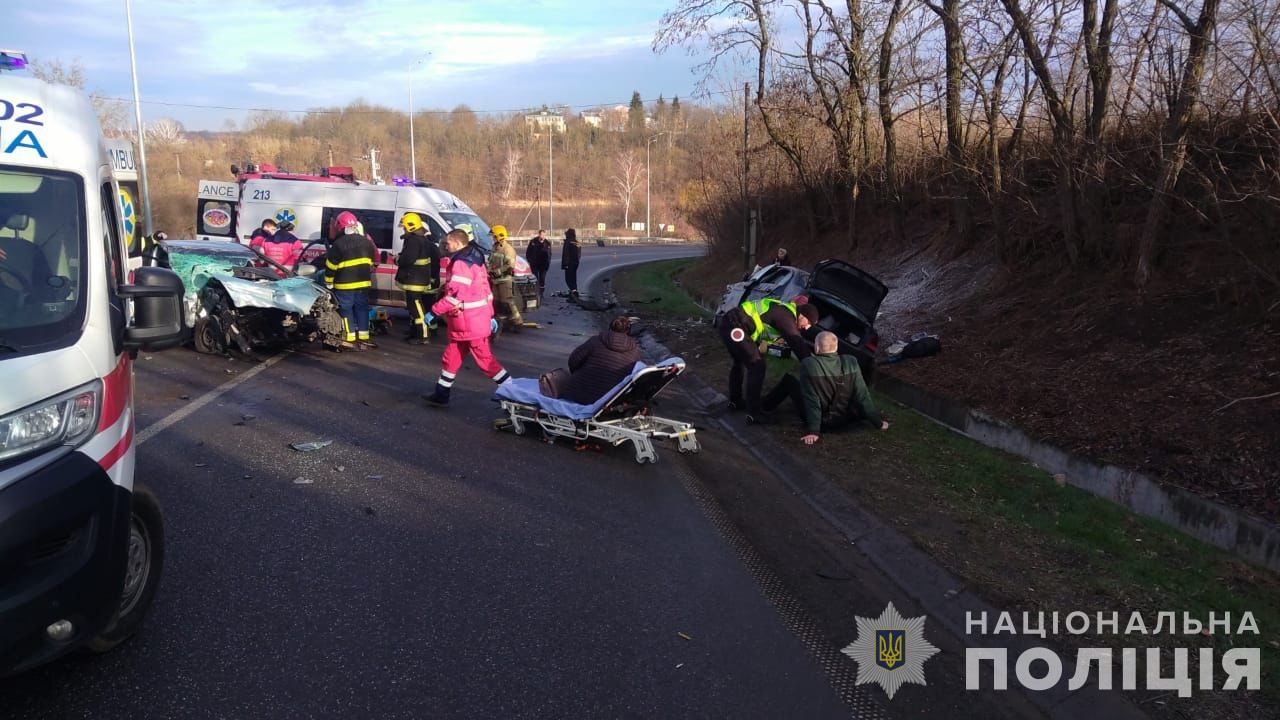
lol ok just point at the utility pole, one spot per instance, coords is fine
(372, 157)
(746, 170)
(137, 115)
(551, 191)
(648, 229)
(413, 155)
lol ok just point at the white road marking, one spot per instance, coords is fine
(181, 414)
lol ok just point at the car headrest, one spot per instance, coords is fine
(17, 221)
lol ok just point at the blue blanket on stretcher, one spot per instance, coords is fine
(525, 391)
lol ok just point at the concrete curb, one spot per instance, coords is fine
(1248, 538)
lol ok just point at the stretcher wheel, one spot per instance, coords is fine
(518, 428)
(695, 449)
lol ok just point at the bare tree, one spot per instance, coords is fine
(630, 173)
(957, 168)
(511, 172)
(165, 131)
(1174, 135)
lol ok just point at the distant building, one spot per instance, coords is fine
(545, 121)
(593, 118)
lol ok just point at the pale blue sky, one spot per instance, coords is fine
(291, 54)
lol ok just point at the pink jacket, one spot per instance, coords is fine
(284, 253)
(466, 300)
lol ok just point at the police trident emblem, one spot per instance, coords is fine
(890, 650)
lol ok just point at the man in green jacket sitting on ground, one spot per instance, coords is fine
(829, 393)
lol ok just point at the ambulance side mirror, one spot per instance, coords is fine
(157, 309)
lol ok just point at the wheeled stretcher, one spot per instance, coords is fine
(622, 415)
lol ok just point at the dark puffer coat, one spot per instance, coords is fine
(597, 365)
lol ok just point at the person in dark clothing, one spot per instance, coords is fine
(783, 258)
(538, 253)
(743, 330)
(595, 366)
(418, 274)
(829, 393)
(349, 273)
(570, 257)
(262, 233)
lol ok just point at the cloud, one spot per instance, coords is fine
(291, 54)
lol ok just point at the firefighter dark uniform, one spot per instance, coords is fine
(745, 327)
(349, 273)
(418, 274)
(144, 246)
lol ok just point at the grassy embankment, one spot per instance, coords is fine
(994, 519)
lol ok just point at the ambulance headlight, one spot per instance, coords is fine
(66, 419)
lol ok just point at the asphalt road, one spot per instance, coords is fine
(423, 565)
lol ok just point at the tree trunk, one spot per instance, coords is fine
(961, 218)
(1174, 136)
(884, 95)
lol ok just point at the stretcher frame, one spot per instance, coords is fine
(624, 418)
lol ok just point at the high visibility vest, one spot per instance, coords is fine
(755, 308)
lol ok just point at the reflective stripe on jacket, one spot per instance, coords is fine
(349, 263)
(466, 300)
(418, 267)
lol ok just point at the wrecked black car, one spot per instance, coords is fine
(847, 299)
(237, 299)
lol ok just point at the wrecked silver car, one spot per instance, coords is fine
(237, 299)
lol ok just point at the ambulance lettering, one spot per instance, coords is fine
(24, 138)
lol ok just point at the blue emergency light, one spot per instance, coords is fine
(13, 60)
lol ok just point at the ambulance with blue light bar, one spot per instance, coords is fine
(233, 210)
(81, 545)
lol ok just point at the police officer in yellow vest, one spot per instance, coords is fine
(743, 330)
(418, 274)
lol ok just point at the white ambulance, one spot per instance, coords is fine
(81, 546)
(233, 210)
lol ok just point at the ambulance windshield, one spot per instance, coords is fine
(42, 247)
(478, 228)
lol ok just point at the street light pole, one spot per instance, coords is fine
(413, 155)
(647, 184)
(137, 116)
(551, 190)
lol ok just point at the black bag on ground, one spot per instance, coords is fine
(924, 347)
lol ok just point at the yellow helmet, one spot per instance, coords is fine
(499, 232)
(411, 222)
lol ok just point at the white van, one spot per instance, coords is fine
(81, 546)
(233, 210)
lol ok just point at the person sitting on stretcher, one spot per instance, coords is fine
(595, 366)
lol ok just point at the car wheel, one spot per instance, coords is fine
(142, 571)
(208, 336)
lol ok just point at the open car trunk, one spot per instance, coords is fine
(839, 283)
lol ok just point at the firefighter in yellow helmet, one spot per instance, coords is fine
(418, 274)
(502, 277)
